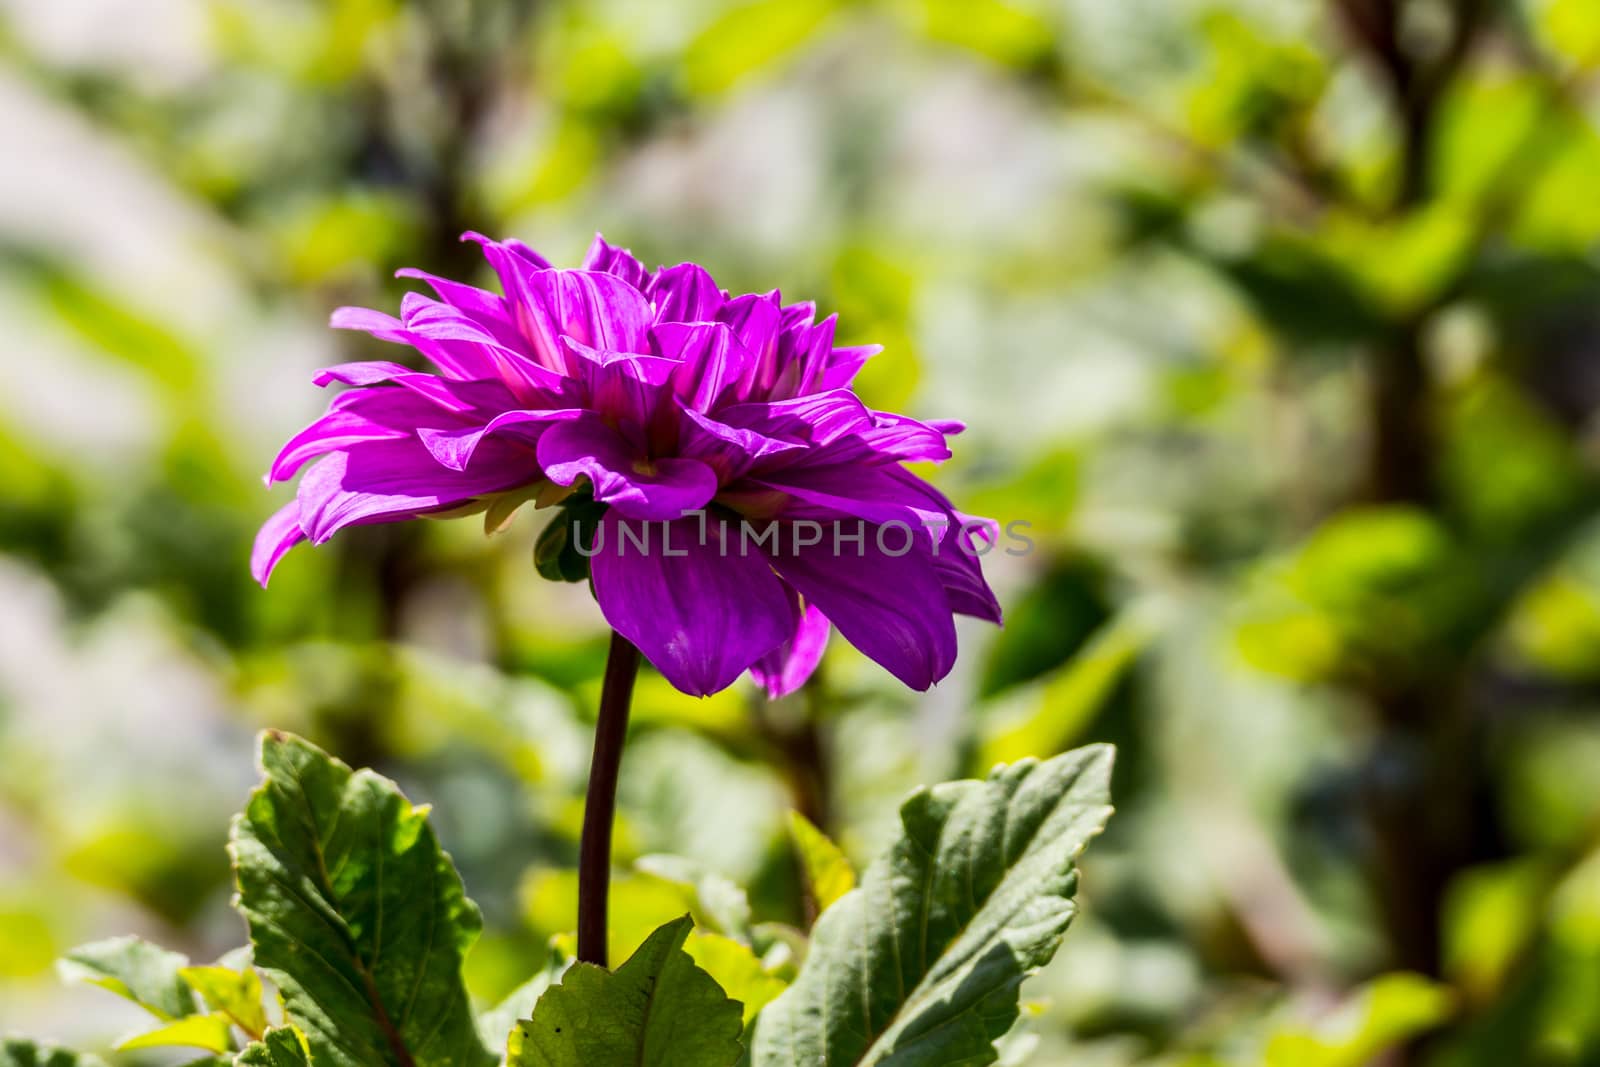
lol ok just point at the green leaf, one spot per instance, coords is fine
(828, 872)
(921, 965)
(657, 1010)
(283, 1047)
(131, 967)
(16, 1052)
(236, 994)
(355, 912)
(214, 1033)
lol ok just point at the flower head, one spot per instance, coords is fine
(745, 497)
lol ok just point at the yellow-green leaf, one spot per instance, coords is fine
(236, 994)
(828, 872)
(214, 1033)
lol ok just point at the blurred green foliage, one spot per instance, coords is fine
(1278, 321)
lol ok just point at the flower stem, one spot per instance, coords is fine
(599, 809)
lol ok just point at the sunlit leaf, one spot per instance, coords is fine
(236, 994)
(657, 1010)
(283, 1047)
(214, 1033)
(131, 967)
(923, 962)
(355, 913)
(829, 874)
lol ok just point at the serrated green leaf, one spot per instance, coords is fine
(921, 965)
(16, 1052)
(283, 1047)
(356, 913)
(657, 1010)
(133, 968)
(236, 994)
(214, 1033)
(828, 872)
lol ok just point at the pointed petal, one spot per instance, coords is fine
(367, 415)
(391, 480)
(685, 293)
(891, 607)
(455, 448)
(277, 536)
(786, 668)
(818, 419)
(711, 360)
(701, 614)
(610, 259)
(843, 366)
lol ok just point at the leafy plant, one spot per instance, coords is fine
(359, 919)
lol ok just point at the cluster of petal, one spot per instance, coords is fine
(662, 394)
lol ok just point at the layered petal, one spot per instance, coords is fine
(710, 360)
(685, 293)
(357, 417)
(620, 472)
(455, 448)
(787, 667)
(699, 610)
(391, 480)
(890, 606)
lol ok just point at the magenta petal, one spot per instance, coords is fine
(685, 293)
(277, 536)
(897, 438)
(891, 607)
(818, 419)
(479, 303)
(371, 372)
(786, 668)
(877, 494)
(621, 474)
(598, 310)
(455, 448)
(610, 259)
(711, 360)
(623, 386)
(360, 419)
(730, 450)
(513, 254)
(391, 480)
(844, 364)
(702, 615)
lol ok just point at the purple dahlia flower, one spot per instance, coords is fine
(747, 498)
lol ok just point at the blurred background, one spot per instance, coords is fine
(1279, 320)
